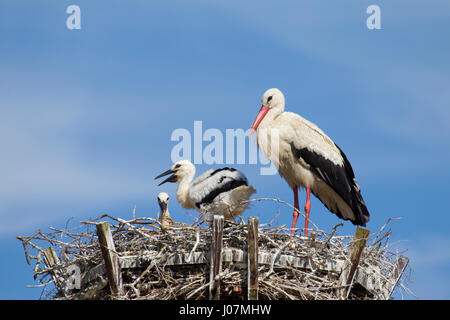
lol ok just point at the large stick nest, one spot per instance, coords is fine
(175, 264)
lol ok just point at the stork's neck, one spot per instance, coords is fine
(265, 136)
(164, 211)
(183, 191)
(270, 117)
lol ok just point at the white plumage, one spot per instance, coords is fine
(220, 191)
(307, 158)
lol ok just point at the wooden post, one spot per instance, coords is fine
(350, 266)
(216, 257)
(110, 258)
(252, 253)
(400, 266)
(51, 259)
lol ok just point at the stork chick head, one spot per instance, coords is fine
(163, 201)
(272, 99)
(182, 169)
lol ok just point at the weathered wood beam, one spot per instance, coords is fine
(252, 254)
(50, 260)
(229, 255)
(400, 267)
(370, 279)
(216, 257)
(50, 257)
(110, 258)
(350, 266)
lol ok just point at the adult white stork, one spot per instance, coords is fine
(307, 158)
(220, 191)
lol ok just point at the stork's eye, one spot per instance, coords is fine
(177, 166)
(270, 98)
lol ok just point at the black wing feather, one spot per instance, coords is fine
(340, 178)
(227, 186)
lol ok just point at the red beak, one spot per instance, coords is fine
(261, 114)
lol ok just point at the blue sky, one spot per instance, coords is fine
(86, 115)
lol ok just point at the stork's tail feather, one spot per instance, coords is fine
(362, 215)
(358, 206)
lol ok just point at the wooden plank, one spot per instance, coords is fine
(370, 279)
(252, 259)
(350, 266)
(229, 255)
(232, 255)
(216, 257)
(50, 257)
(50, 260)
(400, 267)
(110, 258)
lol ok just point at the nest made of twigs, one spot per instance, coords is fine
(175, 264)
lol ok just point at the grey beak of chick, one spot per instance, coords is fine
(172, 178)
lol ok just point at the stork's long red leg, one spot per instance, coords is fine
(307, 208)
(295, 214)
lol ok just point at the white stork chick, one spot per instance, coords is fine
(308, 158)
(164, 219)
(215, 192)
